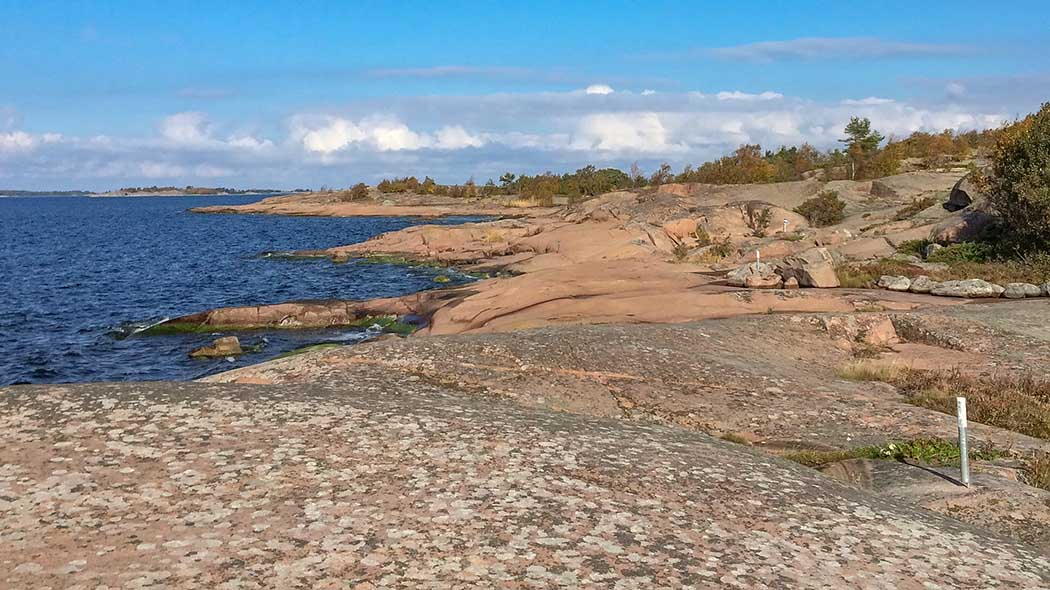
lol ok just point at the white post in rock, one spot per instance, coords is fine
(785, 226)
(758, 256)
(964, 447)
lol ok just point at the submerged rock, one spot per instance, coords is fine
(221, 347)
(971, 288)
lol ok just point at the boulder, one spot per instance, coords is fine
(922, 284)
(876, 330)
(791, 283)
(680, 229)
(1021, 290)
(1045, 289)
(892, 283)
(757, 275)
(812, 268)
(819, 275)
(762, 282)
(962, 194)
(964, 226)
(969, 288)
(221, 347)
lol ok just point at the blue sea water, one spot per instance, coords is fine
(77, 275)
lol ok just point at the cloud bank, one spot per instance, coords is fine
(454, 137)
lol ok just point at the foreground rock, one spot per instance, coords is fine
(221, 347)
(402, 484)
(969, 288)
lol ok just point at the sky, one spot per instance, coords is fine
(100, 95)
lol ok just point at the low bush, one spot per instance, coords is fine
(915, 207)
(964, 252)
(824, 209)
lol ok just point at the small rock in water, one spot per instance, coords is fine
(221, 347)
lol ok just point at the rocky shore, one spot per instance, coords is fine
(612, 407)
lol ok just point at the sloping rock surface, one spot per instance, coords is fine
(407, 485)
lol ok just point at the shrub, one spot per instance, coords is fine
(824, 209)
(358, 192)
(963, 252)
(913, 247)
(758, 220)
(1018, 184)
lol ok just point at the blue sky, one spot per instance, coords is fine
(100, 95)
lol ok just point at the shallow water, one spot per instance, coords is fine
(78, 274)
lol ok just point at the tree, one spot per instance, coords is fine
(1018, 184)
(358, 192)
(507, 179)
(662, 176)
(862, 143)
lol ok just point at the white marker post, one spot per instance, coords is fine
(758, 257)
(785, 226)
(964, 448)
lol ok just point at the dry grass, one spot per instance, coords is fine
(526, 203)
(493, 237)
(867, 275)
(1038, 471)
(915, 207)
(1020, 404)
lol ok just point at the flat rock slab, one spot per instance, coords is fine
(390, 484)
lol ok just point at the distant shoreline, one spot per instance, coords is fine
(120, 194)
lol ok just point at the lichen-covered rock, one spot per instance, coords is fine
(791, 283)
(969, 288)
(894, 283)
(221, 347)
(875, 330)
(1021, 290)
(812, 268)
(922, 284)
(755, 275)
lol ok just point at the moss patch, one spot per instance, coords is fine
(310, 348)
(932, 451)
(388, 323)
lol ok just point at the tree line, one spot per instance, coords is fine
(863, 155)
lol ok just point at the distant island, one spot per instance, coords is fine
(20, 193)
(188, 191)
(153, 191)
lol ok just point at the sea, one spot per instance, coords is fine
(80, 277)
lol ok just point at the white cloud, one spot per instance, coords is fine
(456, 137)
(640, 132)
(161, 170)
(871, 100)
(598, 89)
(744, 96)
(186, 128)
(648, 92)
(834, 48)
(16, 140)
